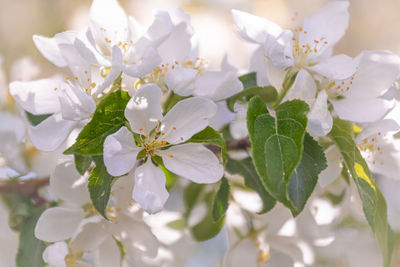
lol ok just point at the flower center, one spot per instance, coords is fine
(371, 148)
(302, 52)
(158, 74)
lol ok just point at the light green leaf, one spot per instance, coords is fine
(210, 136)
(277, 144)
(82, 163)
(107, 119)
(100, 183)
(30, 248)
(221, 200)
(374, 204)
(246, 169)
(305, 177)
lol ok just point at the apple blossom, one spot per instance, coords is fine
(164, 137)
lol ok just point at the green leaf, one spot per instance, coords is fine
(107, 119)
(207, 228)
(277, 144)
(221, 200)
(178, 224)
(36, 119)
(100, 183)
(268, 94)
(374, 204)
(30, 248)
(191, 195)
(249, 80)
(305, 177)
(82, 163)
(210, 136)
(246, 169)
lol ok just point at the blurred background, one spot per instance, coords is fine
(372, 24)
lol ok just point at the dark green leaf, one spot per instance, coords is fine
(30, 248)
(82, 163)
(221, 200)
(246, 169)
(268, 94)
(249, 80)
(210, 136)
(374, 204)
(305, 177)
(36, 119)
(107, 119)
(277, 144)
(100, 183)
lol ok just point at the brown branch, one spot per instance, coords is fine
(241, 144)
(28, 188)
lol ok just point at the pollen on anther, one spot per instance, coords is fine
(67, 78)
(162, 133)
(181, 138)
(174, 128)
(170, 155)
(141, 129)
(93, 85)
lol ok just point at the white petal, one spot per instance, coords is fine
(258, 64)
(144, 109)
(222, 117)
(218, 85)
(383, 126)
(279, 49)
(55, 254)
(114, 71)
(57, 224)
(303, 88)
(142, 64)
(49, 48)
(37, 97)
(275, 75)
(109, 20)
(319, 118)
(120, 152)
(136, 236)
(181, 80)
(333, 158)
(330, 23)
(363, 110)
(253, 28)
(75, 104)
(107, 254)
(197, 113)
(178, 44)
(194, 162)
(336, 68)
(12, 124)
(51, 133)
(149, 190)
(90, 233)
(67, 184)
(377, 70)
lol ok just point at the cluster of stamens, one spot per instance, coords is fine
(158, 74)
(87, 90)
(153, 141)
(371, 146)
(301, 52)
(338, 88)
